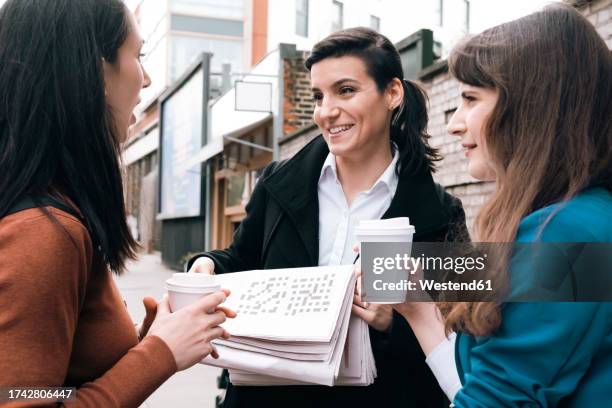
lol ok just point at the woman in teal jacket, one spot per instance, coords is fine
(535, 118)
(546, 353)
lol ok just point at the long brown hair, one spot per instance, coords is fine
(549, 135)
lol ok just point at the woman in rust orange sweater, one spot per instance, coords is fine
(70, 75)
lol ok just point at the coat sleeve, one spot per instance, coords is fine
(244, 253)
(534, 361)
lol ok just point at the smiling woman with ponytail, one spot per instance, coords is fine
(372, 161)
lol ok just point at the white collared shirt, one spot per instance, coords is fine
(337, 221)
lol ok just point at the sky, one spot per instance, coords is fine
(487, 13)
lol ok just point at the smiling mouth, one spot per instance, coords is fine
(334, 131)
(469, 147)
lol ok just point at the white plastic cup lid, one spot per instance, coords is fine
(390, 226)
(200, 280)
(191, 289)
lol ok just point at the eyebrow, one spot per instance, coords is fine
(338, 83)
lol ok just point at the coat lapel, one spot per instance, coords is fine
(416, 197)
(294, 185)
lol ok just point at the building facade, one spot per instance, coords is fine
(241, 35)
(176, 32)
(305, 22)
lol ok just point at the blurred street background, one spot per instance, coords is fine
(195, 387)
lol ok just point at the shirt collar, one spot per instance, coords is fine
(389, 177)
(329, 168)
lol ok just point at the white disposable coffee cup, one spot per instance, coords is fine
(187, 288)
(392, 230)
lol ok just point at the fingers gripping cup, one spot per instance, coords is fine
(385, 248)
(187, 288)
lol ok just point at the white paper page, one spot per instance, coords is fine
(285, 346)
(298, 304)
(354, 353)
(286, 349)
(324, 357)
(244, 378)
(357, 366)
(314, 372)
(361, 369)
(308, 371)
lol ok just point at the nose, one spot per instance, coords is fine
(147, 79)
(456, 126)
(326, 112)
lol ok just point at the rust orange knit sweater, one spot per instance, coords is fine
(63, 321)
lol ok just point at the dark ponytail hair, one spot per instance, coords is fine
(56, 132)
(383, 63)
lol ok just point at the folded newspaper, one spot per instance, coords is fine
(294, 326)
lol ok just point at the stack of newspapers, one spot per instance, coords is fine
(294, 326)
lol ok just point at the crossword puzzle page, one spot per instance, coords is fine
(287, 304)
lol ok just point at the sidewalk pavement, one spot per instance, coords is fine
(195, 387)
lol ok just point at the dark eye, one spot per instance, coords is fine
(141, 55)
(317, 96)
(468, 98)
(345, 90)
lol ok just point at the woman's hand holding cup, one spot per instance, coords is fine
(188, 332)
(378, 316)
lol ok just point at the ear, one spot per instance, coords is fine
(394, 93)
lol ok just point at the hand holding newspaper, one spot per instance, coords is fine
(294, 326)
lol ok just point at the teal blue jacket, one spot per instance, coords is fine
(546, 354)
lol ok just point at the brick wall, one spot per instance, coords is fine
(599, 13)
(443, 92)
(298, 102)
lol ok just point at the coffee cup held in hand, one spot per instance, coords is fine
(187, 288)
(383, 245)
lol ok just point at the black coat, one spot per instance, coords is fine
(281, 231)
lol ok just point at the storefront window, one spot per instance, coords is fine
(235, 189)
